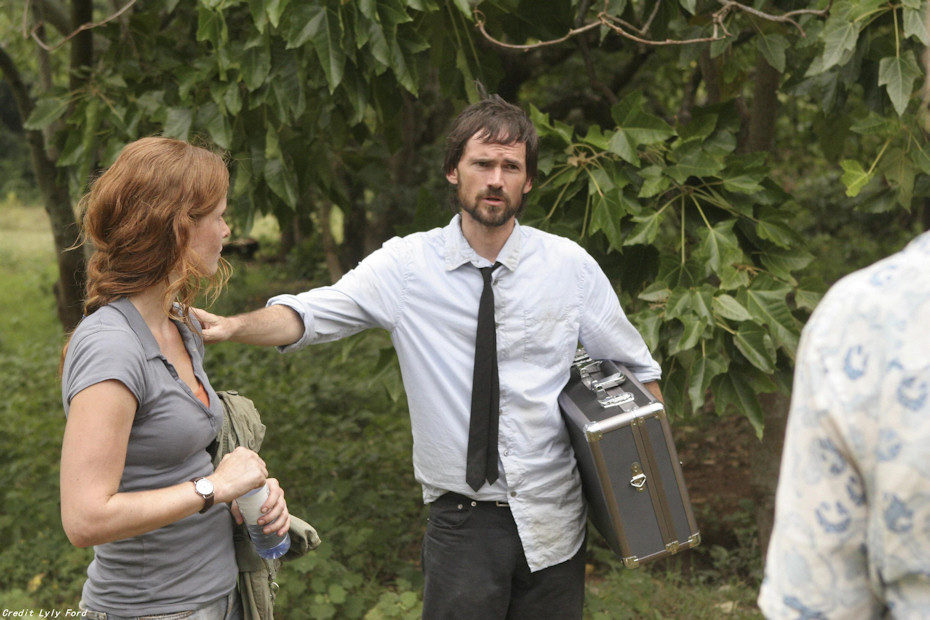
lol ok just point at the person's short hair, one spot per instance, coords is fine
(139, 215)
(495, 121)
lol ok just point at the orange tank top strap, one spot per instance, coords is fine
(201, 394)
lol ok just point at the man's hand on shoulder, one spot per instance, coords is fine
(275, 325)
(215, 328)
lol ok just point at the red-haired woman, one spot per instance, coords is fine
(136, 475)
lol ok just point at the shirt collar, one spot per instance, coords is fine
(138, 326)
(458, 251)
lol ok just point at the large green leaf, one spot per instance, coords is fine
(855, 177)
(914, 26)
(782, 263)
(769, 306)
(641, 127)
(701, 126)
(211, 26)
(693, 160)
(919, 156)
(772, 47)
(704, 370)
(807, 299)
(46, 112)
(275, 9)
(777, 232)
(648, 325)
(701, 303)
(655, 292)
(687, 339)
(606, 218)
(278, 176)
(256, 65)
(646, 229)
(654, 181)
(678, 304)
(743, 184)
(178, 123)
(259, 15)
(378, 44)
(733, 389)
(727, 307)
(839, 37)
(621, 145)
(326, 36)
(756, 346)
(217, 124)
(403, 67)
(897, 75)
(719, 246)
(874, 124)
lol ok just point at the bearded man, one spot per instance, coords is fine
(485, 316)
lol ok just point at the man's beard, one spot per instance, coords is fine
(487, 218)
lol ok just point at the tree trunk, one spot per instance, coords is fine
(761, 137)
(72, 268)
(761, 134)
(711, 76)
(764, 474)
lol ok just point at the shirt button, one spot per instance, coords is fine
(513, 494)
(506, 452)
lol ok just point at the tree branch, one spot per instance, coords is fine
(629, 31)
(480, 21)
(51, 13)
(74, 33)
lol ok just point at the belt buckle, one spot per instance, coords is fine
(501, 504)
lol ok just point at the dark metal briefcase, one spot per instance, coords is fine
(629, 466)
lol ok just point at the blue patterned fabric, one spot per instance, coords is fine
(852, 517)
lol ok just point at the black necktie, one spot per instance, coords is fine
(485, 393)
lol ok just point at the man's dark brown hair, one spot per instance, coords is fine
(497, 122)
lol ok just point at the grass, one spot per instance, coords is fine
(337, 439)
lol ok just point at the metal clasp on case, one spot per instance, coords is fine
(605, 401)
(618, 378)
(581, 357)
(638, 481)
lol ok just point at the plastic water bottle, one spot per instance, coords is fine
(268, 546)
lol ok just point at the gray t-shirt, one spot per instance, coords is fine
(190, 562)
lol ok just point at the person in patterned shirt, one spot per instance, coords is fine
(852, 517)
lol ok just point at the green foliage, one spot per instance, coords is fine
(333, 112)
(716, 310)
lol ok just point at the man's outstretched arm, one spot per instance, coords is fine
(275, 325)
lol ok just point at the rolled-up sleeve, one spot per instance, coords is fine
(605, 330)
(371, 295)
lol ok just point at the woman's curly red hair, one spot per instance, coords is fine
(139, 214)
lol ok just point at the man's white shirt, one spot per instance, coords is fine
(549, 295)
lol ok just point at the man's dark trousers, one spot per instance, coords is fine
(475, 567)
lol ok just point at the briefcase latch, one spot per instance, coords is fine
(606, 383)
(638, 481)
(605, 400)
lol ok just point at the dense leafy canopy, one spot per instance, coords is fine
(333, 112)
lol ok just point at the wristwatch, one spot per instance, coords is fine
(204, 489)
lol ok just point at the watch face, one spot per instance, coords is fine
(204, 486)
